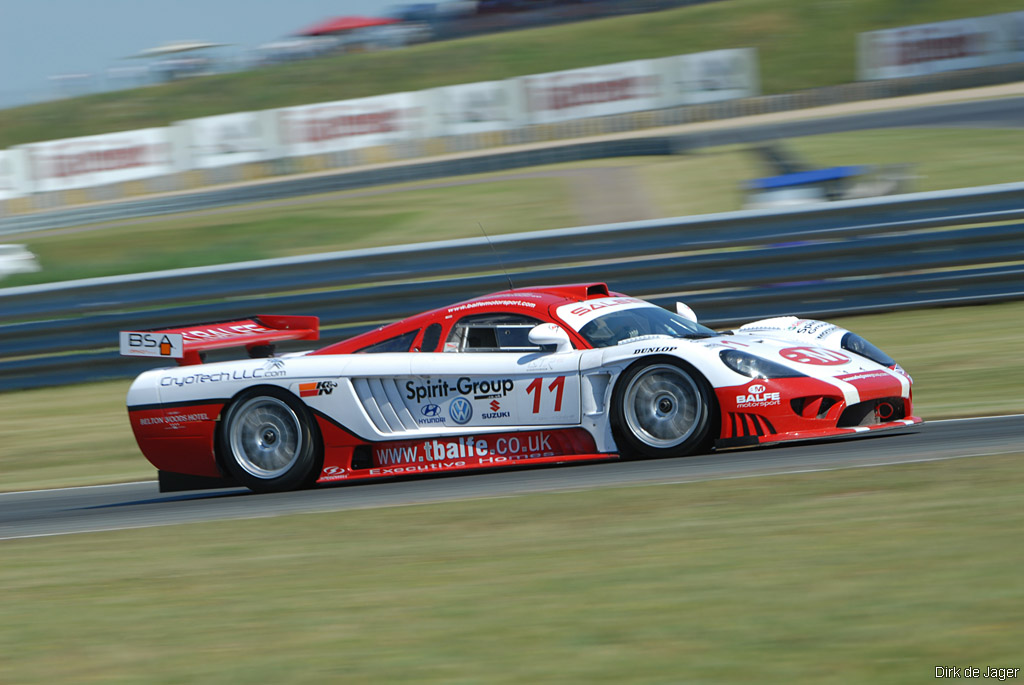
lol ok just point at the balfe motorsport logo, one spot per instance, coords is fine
(757, 397)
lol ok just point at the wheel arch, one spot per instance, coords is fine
(220, 439)
(623, 376)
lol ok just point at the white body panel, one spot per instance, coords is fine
(401, 396)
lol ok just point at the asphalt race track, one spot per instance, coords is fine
(139, 505)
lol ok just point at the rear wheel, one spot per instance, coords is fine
(267, 441)
(661, 409)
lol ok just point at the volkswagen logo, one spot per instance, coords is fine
(460, 410)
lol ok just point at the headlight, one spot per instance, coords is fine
(858, 345)
(752, 366)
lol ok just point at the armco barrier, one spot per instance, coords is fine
(404, 172)
(857, 256)
(414, 152)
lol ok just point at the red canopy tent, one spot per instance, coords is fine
(340, 24)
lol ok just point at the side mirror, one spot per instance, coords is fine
(551, 334)
(685, 312)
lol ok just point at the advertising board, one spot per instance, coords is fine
(592, 92)
(931, 48)
(712, 76)
(350, 124)
(99, 160)
(226, 139)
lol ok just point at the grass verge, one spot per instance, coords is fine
(800, 45)
(860, 575)
(305, 225)
(966, 361)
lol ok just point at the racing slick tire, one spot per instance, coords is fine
(662, 408)
(268, 443)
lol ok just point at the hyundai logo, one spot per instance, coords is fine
(430, 410)
(460, 410)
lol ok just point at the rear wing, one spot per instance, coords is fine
(187, 344)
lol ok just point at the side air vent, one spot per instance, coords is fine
(873, 412)
(743, 425)
(815, 407)
(382, 400)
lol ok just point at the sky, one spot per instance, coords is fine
(43, 38)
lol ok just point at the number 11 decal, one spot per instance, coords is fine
(557, 386)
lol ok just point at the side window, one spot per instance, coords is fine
(400, 343)
(492, 333)
(431, 337)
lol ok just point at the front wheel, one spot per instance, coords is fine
(661, 409)
(267, 441)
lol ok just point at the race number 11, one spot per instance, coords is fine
(556, 386)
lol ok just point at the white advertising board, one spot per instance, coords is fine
(712, 76)
(12, 174)
(475, 108)
(1011, 35)
(930, 48)
(99, 160)
(349, 124)
(226, 139)
(592, 92)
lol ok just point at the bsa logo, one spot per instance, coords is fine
(814, 355)
(755, 389)
(460, 410)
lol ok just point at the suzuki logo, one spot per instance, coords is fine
(495, 405)
(460, 410)
(430, 410)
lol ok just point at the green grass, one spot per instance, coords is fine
(863, 575)
(966, 361)
(942, 158)
(801, 44)
(704, 181)
(304, 226)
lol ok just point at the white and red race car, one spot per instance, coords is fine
(520, 377)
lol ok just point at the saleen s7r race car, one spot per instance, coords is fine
(520, 377)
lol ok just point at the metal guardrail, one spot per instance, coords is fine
(411, 171)
(411, 161)
(281, 187)
(846, 257)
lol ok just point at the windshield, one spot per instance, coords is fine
(638, 322)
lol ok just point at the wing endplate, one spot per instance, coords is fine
(185, 344)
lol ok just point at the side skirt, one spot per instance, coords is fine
(176, 482)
